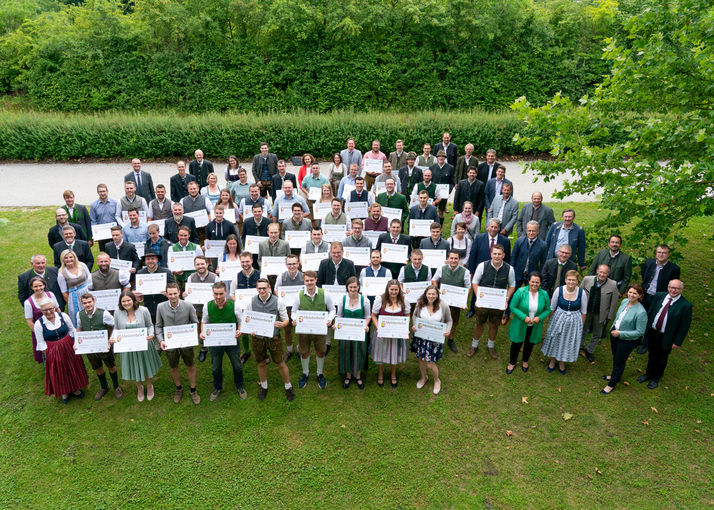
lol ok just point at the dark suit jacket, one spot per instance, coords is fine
(54, 236)
(147, 185)
(451, 152)
(430, 213)
(386, 238)
(23, 285)
(171, 229)
(278, 182)
(669, 272)
(490, 191)
(81, 217)
(417, 177)
(443, 175)
(179, 187)
(545, 219)
(127, 251)
(679, 318)
(469, 192)
(258, 165)
(212, 233)
(165, 245)
(520, 255)
(576, 240)
(81, 248)
(200, 172)
(251, 229)
(326, 272)
(482, 173)
(151, 301)
(462, 169)
(550, 271)
(481, 250)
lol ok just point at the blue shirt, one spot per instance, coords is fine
(286, 201)
(136, 234)
(103, 212)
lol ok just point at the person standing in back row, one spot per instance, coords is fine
(200, 168)
(265, 166)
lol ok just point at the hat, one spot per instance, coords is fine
(441, 153)
(412, 155)
(150, 253)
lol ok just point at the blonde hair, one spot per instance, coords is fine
(63, 268)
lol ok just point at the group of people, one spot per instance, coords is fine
(361, 251)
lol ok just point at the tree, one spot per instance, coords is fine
(645, 138)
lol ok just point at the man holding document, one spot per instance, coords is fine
(453, 274)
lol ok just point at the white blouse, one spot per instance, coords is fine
(41, 344)
(28, 307)
(532, 304)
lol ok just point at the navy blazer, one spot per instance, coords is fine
(127, 251)
(471, 192)
(171, 229)
(451, 152)
(251, 229)
(679, 318)
(490, 191)
(430, 213)
(272, 161)
(417, 177)
(482, 173)
(200, 172)
(147, 185)
(326, 272)
(520, 254)
(576, 240)
(81, 248)
(54, 236)
(443, 175)
(278, 182)
(481, 251)
(669, 272)
(179, 187)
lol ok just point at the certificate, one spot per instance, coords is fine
(272, 266)
(392, 213)
(314, 193)
(229, 269)
(311, 261)
(358, 255)
(215, 249)
(130, 340)
(89, 342)
(373, 236)
(289, 293)
(420, 228)
(487, 297)
(454, 296)
(337, 292)
(373, 165)
(160, 223)
(430, 330)
(218, 335)
(297, 238)
(199, 293)
(285, 210)
(107, 299)
(310, 322)
(181, 260)
(414, 290)
(321, 209)
(148, 284)
(102, 231)
(243, 296)
(229, 214)
(391, 326)
(356, 209)
(414, 200)
(442, 191)
(140, 249)
(177, 337)
(347, 189)
(252, 242)
(258, 323)
(332, 233)
(379, 187)
(350, 329)
(142, 216)
(434, 258)
(200, 217)
(123, 266)
(248, 211)
(396, 253)
(374, 285)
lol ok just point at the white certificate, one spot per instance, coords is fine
(248, 211)
(181, 260)
(229, 269)
(140, 249)
(199, 293)
(89, 342)
(350, 329)
(374, 285)
(430, 330)
(176, 337)
(396, 253)
(285, 210)
(297, 238)
(337, 292)
(102, 231)
(243, 296)
(229, 214)
(310, 322)
(442, 191)
(373, 236)
(332, 233)
(454, 296)
(321, 209)
(288, 293)
(215, 249)
(414, 200)
(434, 258)
(258, 323)
(379, 187)
(218, 335)
(107, 299)
(252, 242)
(487, 297)
(311, 261)
(123, 266)
(358, 255)
(130, 340)
(272, 266)
(160, 223)
(142, 216)
(373, 165)
(392, 213)
(347, 189)
(154, 283)
(414, 290)
(391, 326)
(200, 217)
(420, 228)
(356, 209)
(314, 193)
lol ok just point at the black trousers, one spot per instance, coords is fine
(658, 356)
(621, 350)
(527, 347)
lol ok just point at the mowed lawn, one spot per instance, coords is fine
(488, 440)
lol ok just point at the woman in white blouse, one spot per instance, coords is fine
(73, 280)
(33, 312)
(430, 307)
(467, 216)
(352, 355)
(461, 243)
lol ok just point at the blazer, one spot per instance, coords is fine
(550, 271)
(171, 229)
(490, 191)
(54, 235)
(634, 324)
(50, 276)
(278, 182)
(669, 272)
(212, 233)
(80, 216)
(397, 201)
(679, 318)
(326, 272)
(519, 307)
(462, 169)
(417, 177)
(443, 175)
(147, 185)
(179, 187)
(282, 249)
(510, 212)
(620, 267)
(576, 240)
(483, 174)
(469, 192)
(519, 255)
(481, 250)
(544, 217)
(397, 161)
(356, 158)
(608, 297)
(258, 165)
(165, 245)
(451, 152)
(200, 172)
(127, 251)
(81, 248)
(430, 213)
(386, 238)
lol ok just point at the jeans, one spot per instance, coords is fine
(621, 350)
(233, 353)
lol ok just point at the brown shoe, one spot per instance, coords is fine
(195, 397)
(118, 393)
(100, 393)
(178, 395)
(492, 353)
(242, 394)
(471, 352)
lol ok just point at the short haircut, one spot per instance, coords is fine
(172, 285)
(336, 244)
(133, 209)
(253, 186)
(219, 206)
(262, 280)
(456, 252)
(424, 192)
(501, 166)
(316, 229)
(245, 254)
(357, 221)
(460, 224)
(87, 295)
(664, 247)
(574, 273)
(494, 220)
(219, 285)
(337, 200)
(67, 193)
(417, 251)
(70, 227)
(615, 235)
(101, 186)
(200, 257)
(434, 225)
(292, 256)
(153, 227)
(569, 210)
(491, 151)
(395, 220)
(498, 247)
(567, 247)
(310, 274)
(160, 186)
(184, 228)
(533, 223)
(115, 228)
(263, 143)
(358, 178)
(275, 225)
(296, 204)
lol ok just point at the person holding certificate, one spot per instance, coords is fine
(460, 243)
(422, 211)
(314, 180)
(391, 351)
(257, 225)
(178, 220)
(434, 241)
(202, 275)
(31, 306)
(316, 244)
(375, 269)
(352, 355)
(297, 223)
(289, 197)
(219, 229)
(73, 280)
(231, 252)
(443, 173)
(376, 222)
(530, 306)
(184, 245)
(176, 312)
(394, 199)
(427, 185)
(337, 216)
(157, 244)
(137, 366)
(395, 237)
(151, 266)
(106, 278)
(413, 272)
(429, 352)
(293, 277)
(373, 170)
(246, 278)
(456, 275)
(273, 246)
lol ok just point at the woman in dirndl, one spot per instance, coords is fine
(33, 312)
(73, 280)
(389, 351)
(428, 353)
(351, 355)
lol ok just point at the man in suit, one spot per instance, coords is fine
(494, 187)
(131, 200)
(442, 173)
(335, 270)
(265, 166)
(200, 168)
(481, 251)
(528, 254)
(143, 181)
(668, 319)
(487, 169)
(505, 208)
(450, 149)
(567, 232)
(468, 160)
(280, 177)
(179, 182)
(469, 190)
(391, 198)
(603, 298)
(351, 156)
(554, 269)
(620, 264)
(535, 211)
(172, 225)
(410, 175)
(77, 214)
(39, 268)
(422, 211)
(122, 250)
(398, 158)
(395, 237)
(54, 235)
(81, 248)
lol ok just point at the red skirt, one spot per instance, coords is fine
(65, 371)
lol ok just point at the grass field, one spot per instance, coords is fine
(377, 448)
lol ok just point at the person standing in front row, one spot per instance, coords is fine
(530, 306)
(352, 355)
(428, 352)
(452, 273)
(389, 351)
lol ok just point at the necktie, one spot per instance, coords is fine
(349, 160)
(528, 258)
(394, 241)
(490, 248)
(662, 315)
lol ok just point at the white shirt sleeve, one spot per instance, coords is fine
(204, 315)
(400, 277)
(437, 275)
(107, 319)
(478, 274)
(467, 278)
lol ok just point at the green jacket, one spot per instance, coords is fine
(634, 323)
(397, 201)
(519, 309)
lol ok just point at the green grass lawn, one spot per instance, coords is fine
(376, 448)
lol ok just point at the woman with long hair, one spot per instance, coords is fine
(73, 280)
(428, 353)
(389, 351)
(351, 355)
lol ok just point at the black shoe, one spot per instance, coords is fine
(525, 369)
(244, 357)
(303, 381)
(642, 349)
(643, 378)
(346, 382)
(78, 395)
(262, 393)
(652, 384)
(509, 371)
(590, 356)
(360, 384)
(452, 345)
(470, 314)
(290, 394)
(202, 355)
(327, 349)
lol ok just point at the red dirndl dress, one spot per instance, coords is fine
(65, 371)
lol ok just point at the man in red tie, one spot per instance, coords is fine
(669, 318)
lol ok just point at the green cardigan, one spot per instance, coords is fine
(634, 323)
(519, 309)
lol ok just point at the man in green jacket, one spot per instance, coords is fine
(391, 198)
